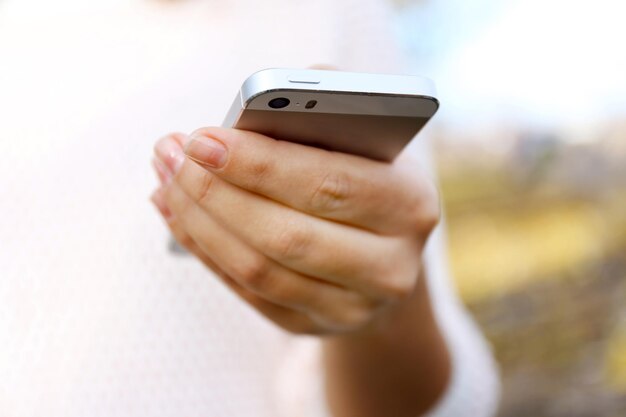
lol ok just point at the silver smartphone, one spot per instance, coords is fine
(371, 115)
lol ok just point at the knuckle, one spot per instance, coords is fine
(287, 292)
(260, 171)
(254, 273)
(397, 288)
(331, 193)
(354, 317)
(293, 241)
(352, 313)
(426, 209)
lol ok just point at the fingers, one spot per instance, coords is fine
(180, 235)
(296, 303)
(331, 306)
(289, 319)
(340, 187)
(307, 272)
(314, 247)
(169, 156)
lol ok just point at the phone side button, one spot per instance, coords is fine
(303, 79)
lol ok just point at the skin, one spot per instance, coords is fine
(320, 243)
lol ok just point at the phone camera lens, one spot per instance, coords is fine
(278, 103)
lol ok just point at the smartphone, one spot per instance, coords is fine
(371, 115)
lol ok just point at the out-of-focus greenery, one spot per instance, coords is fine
(537, 240)
(504, 236)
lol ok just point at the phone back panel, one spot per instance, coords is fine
(372, 136)
(371, 115)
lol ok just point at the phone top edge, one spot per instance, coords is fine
(280, 79)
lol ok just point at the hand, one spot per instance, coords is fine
(319, 242)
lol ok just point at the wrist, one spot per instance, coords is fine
(399, 354)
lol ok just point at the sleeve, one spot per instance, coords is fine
(299, 386)
(474, 387)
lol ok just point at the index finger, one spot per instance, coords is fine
(345, 188)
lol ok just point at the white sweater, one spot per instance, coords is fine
(97, 316)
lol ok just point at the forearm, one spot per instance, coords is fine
(399, 367)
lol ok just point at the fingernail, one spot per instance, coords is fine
(162, 172)
(170, 153)
(206, 151)
(159, 201)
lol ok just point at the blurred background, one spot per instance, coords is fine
(531, 149)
